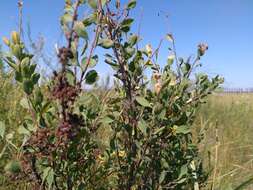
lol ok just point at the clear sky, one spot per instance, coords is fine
(226, 25)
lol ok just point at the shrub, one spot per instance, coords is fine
(149, 117)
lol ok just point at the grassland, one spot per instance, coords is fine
(226, 124)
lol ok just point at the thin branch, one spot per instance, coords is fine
(20, 8)
(139, 27)
(74, 18)
(216, 157)
(193, 66)
(176, 58)
(94, 43)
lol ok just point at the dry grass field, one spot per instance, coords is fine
(226, 123)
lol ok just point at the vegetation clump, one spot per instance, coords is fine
(149, 117)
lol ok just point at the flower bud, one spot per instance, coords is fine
(15, 37)
(149, 50)
(174, 130)
(148, 63)
(122, 153)
(6, 41)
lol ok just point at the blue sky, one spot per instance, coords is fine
(226, 25)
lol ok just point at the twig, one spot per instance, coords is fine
(94, 43)
(193, 65)
(157, 49)
(216, 156)
(74, 18)
(139, 27)
(20, 8)
(176, 58)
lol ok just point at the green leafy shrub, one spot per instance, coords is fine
(149, 118)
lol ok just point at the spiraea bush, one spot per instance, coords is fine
(149, 118)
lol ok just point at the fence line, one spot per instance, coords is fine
(236, 90)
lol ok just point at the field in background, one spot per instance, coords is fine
(225, 117)
(226, 123)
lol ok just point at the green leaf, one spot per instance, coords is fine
(13, 167)
(142, 101)
(81, 187)
(45, 173)
(103, 2)
(143, 126)
(131, 4)
(183, 171)
(183, 130)
(28, 86)
(70, 77)
(66, 18)
(110, 61)
(133, 39)
(130, 51)
(84, 47)
(26, 71)
(25, 61)
(93, 61)
(159, 130)
(35, 78)
(9, 136)
(181, 180)
(18, 76)
(23, 131)
(48, 176)
(162, 176)
(106, 120)
(2, 129)
(17, 51)
(164, 163)
(10, 62)
(186, 68)
(125, 29)
(93, 3)
(24, 103)
(3, 150)
(169, 37)
(90, 20)
(91, 77)
(170, 59)
(125, 25)
(80, 30)
(105, 43)
(38, 97)
(127, 22)
(32, 68)
(112, 144)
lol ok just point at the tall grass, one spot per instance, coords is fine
(225, 122)
(11, 113)
(230, 118)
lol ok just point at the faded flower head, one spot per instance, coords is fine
(158, 87)
(202, 47)
(157, 76)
